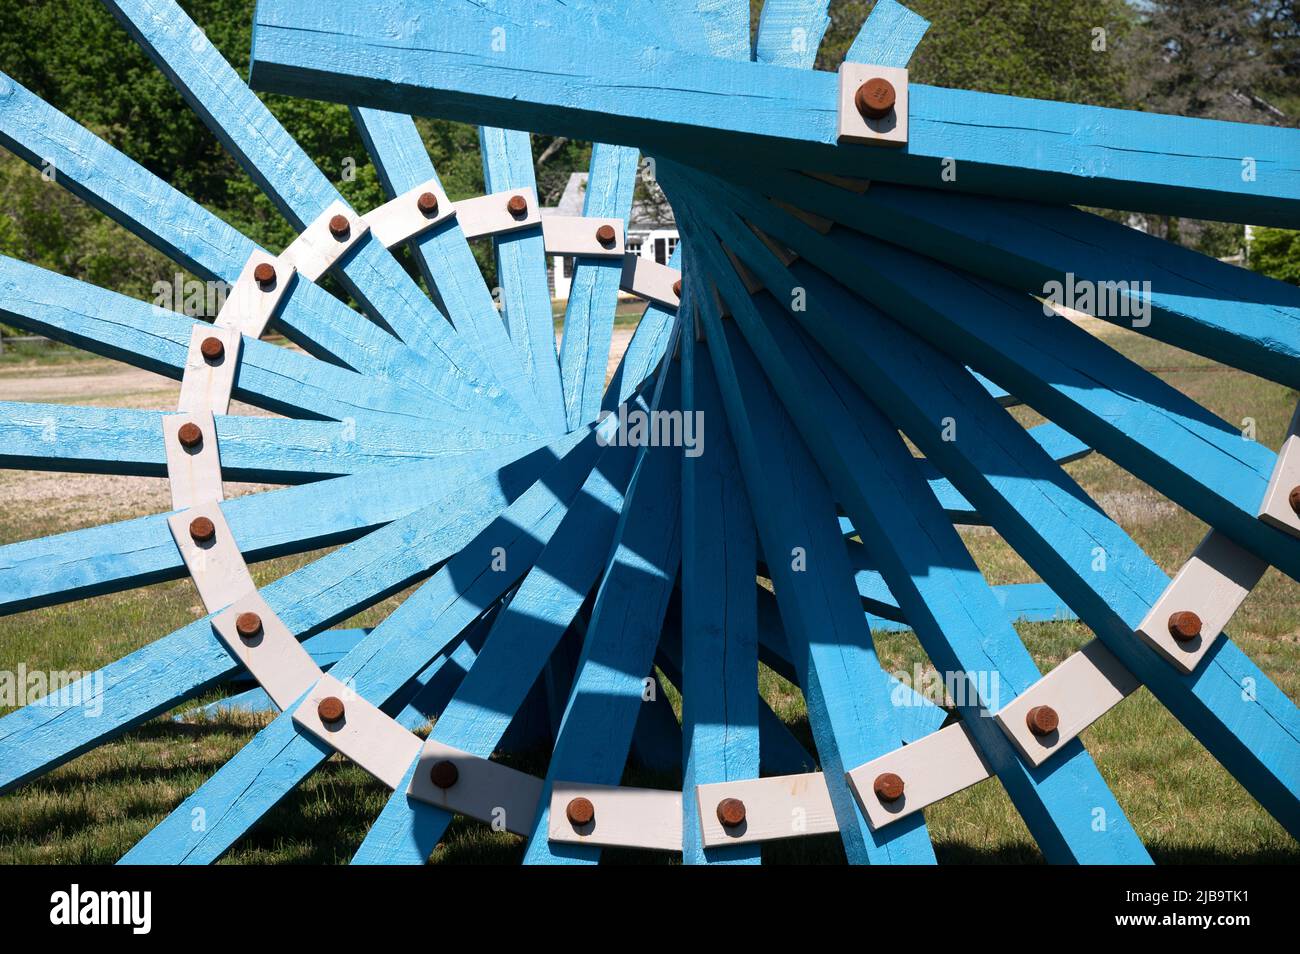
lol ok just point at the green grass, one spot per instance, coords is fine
(1182, 803)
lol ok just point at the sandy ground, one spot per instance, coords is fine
(34, 500)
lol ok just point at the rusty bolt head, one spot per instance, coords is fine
(202, 530)
(212, 349)
(1295, 500)
(330, 709)
(264, 273)
(517, 206)
(248, 625)
(677, 288)
(427, 203)
(1184, 626)
(888, 787)
(875, 98)
(580, 812)
(339, 227)
(606, 235)
(444, 774)
(731, 812)
(190, 435)
(1042, 720)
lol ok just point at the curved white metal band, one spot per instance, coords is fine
(193, 473)
(646, 278)
(485, 790)
(784, 806)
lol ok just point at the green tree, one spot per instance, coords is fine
(1276, 253)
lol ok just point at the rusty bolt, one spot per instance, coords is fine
(1295, 500)
(212, 349)
(190, 435)
(427, 203)
(444, 774)
(580, 812)
(1042, 720)
(248, 625)
(888, 787)
(606, 235)
(677, 288)
(875, 98)
(731, 812)
(264, 273)
(339, 227)
(330, 709)
(202, 530)
(1184, 626)
(517, 206)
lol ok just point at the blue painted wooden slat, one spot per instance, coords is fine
(521, 276)
(790, 32)
(959, 620)
(522, 639)
(719, 615)
(593, 292)
(447, 263)
(156, 677)
(155, 339)
(382, 56)
(1147, 426)
(1231, 707)
(889, 35)
(369, 272)
(111, 557)
(406, 642)
(828, 637)
(596, 731)
(97, 440)
(186, 232)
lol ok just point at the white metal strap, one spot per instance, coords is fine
(207, 382)
(216, 566)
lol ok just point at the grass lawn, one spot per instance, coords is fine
(1183, 804)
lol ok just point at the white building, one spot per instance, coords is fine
(646, 234)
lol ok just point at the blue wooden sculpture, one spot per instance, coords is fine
(862, 256)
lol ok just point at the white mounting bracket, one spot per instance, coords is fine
(316, 248)
(576, 235)
(216, 566)
(1213, 583)
(624, 818)
(272, 654)
(483, 789)
(365, 734)
(193, 473)
(487, 215)
(932, 768)
(1080, 690)
(646, 278)
(249, 306)
(855, 126)
(207, 383)
(783, 806)
(1276, 509)
(401, 219)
